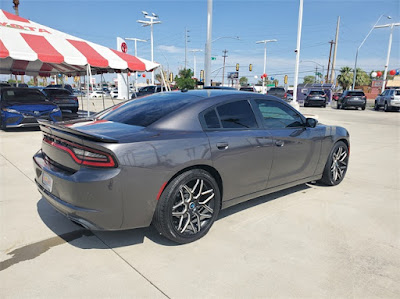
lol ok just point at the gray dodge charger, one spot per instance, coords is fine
(175, 159)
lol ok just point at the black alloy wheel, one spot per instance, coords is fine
(336, 165)
(188, 207)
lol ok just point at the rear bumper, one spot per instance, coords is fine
(89, 197)
(354, 104)
(315, 102)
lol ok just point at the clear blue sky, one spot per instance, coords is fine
(102, 21)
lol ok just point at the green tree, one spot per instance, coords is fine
(243, 80)
(345, 78)
(185, 79)
(308, 79)
(362, 78)
(276, 82)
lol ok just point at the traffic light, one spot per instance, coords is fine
(237, 67)
(171, 77)
(250, 67)
(201, 75)
(285, 80)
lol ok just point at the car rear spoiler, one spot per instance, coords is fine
(45, 125)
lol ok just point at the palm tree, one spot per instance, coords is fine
(345, 78)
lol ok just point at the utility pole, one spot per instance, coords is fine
(223, 69)
(329, 61)
(186, 41)
(334, 52)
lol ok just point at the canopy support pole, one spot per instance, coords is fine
(102, 90)
(89, 74)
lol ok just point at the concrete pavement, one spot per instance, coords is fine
(307, 241)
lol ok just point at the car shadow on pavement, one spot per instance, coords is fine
(70, 232)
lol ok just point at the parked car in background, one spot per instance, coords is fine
(219, 87)
(175, 159)
(148, 90)
(65, 86)
(389, 100)
(21, 107)
(114, 93)
(4, 84)
(247, 88)
(336, 96)
(77, 92)
(352, 98)
(279, 92)
(63, 98)
(315, 98)
(97, 94)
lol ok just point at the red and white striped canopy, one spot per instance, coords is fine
(28, 48)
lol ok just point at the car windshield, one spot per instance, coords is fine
(57, 92)
(22, 95)
(147, 110)
(316, 92)
(355, 94)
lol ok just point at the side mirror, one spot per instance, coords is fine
(311, 122)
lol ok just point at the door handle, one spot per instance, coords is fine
(222, 145)
(279, 143)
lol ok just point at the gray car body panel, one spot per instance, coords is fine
(148, 158)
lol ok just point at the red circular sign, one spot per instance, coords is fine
(124, 47)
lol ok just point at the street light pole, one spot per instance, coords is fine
(265, 56)
(391, 26)
(355, 62)
(297, 50)
(136, 40)
(150, 23)
(194, 60)
(207, 51)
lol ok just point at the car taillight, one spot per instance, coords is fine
(82, 154)
(285, 95)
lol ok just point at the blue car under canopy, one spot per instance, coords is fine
(22, 107)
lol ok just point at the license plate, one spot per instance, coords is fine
(47, 182)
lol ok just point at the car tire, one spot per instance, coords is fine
(336, 165)
(338, 106)
(342, 107)
(323, 106)
(305, 105)
(74, 110)
(386, 107)
(363, 108)
(188, 207)
(376, 106)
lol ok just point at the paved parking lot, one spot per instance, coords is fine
(307, 241)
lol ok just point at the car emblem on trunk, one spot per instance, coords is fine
(36, 112)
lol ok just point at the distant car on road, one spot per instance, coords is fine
(315, 98)
(352, 98)
(63, 98)
(114, 93)
(66, 86)
(21, 107)
(279, 92)
(388, 100)
(97, 94)
(219, 87)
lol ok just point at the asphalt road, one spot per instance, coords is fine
(307, 241)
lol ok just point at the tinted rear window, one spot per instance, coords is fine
(147, 110)
(277, 90)
(316, 92)
(237, 115)
(355, 93)
(22, 95)
(57, 92)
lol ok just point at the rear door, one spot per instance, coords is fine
(296, 147)
(241, 149)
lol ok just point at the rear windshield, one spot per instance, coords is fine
(246, 89)
(277, 90)
(147, 110)
(355, 93)
(316, 92)
(397, 92)
(57, 92)
(22, 95)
